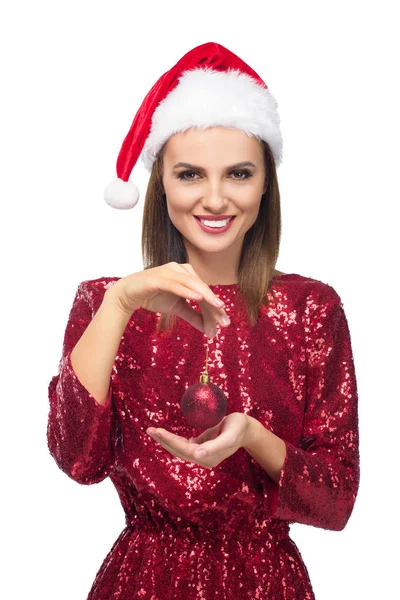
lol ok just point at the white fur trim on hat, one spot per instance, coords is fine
(205, 98)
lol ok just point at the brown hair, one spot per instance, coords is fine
(163, 243)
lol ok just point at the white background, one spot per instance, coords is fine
(73, 76)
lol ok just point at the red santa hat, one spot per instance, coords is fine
(208, 86)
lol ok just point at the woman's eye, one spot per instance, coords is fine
(246, 174)
(185, 175)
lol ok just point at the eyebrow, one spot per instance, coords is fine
(201, 169)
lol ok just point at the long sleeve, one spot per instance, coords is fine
(319, 481)
(79, 429)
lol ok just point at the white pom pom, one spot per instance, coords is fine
(121, 194)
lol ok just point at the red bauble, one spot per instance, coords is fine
(204, 404)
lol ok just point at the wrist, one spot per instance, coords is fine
(112, 306)
(252, 433)
(114, 296)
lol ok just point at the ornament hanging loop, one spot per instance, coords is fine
(204, 378)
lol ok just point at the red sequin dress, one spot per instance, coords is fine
(197, 533)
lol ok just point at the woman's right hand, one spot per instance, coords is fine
(164, 289)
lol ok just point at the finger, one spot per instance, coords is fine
(194, 317)
(175, 452)
(212, 314)
(198, 285)
(173, 449)
(213, 317)
(218, 444)
(166, 439)
(174, 441)
(208, 434)
(188, 267)
(210, 328)
(176, 444)
(197, 319)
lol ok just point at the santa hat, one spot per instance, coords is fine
(208, 86)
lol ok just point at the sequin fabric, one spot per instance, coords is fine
(199, 533)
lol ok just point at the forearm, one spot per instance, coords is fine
(266, 448)
(94, 354)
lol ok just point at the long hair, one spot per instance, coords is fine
(163, 243)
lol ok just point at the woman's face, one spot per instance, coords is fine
(213, 183)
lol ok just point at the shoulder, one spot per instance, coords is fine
(306, 289)
(101, 283)
(93, 290)
(320, 306)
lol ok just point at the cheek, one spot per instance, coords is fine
(180, 199)
(249, 201)
(248, 193)
(178, 204)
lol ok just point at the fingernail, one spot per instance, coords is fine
(218, 302)
(225, 320)
(201, 453)
(211, 332)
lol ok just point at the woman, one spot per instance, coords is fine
(208, 513)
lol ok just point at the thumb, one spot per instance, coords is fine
(210, 446)
(205, 436)
(192, 316)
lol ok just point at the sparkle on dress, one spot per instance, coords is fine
(197, 533)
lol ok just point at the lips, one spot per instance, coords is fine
(231, 217)
(217, 229)
(206, 218)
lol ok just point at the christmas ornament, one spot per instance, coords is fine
(204, 404)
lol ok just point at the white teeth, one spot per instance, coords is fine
(216, 224)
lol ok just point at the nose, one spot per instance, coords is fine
(214, 198)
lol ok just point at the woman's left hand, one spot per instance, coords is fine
(212, 446)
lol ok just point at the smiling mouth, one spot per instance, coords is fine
(214, 220)
(219, 225)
